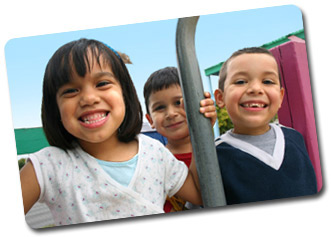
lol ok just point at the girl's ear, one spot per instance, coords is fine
(150, 120)
(218, 94)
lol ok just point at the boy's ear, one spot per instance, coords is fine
(218, 94)
(282, 92)
(150, 120)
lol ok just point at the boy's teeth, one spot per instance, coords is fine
(253, 105)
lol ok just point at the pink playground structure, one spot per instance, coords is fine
(297, 109)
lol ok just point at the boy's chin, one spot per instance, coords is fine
(178, 136)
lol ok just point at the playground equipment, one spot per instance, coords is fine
(297, 110)
(200, 129)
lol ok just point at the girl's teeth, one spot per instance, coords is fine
(94, 118)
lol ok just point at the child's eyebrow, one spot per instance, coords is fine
(240, 73)
(156, 103)
(271, 73)
(161, 102)
(244, 73)
(177, 97)
(101, 74)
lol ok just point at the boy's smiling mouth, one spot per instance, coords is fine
(254, 105)
(174, 125)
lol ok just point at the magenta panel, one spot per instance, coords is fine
(297, 110)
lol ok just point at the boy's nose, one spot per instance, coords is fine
(255, 88)
(171, 112)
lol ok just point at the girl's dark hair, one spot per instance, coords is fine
(159, 80)
(252, 50)
(73, 57)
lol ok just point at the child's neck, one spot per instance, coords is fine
(115, 150)
(252, 131)
(180, 146)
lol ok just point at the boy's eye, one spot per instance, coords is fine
(158, 108)
(240, 82)
(268, 82)
(177, 102)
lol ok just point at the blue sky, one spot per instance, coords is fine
(150, 45)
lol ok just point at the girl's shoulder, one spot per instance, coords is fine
(152, 147)
(149, 141)
(51, 152)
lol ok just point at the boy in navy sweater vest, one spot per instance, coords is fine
(259, 160)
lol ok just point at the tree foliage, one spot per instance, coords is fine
(224, 121)
(21, 163)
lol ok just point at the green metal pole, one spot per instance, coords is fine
(201, 133)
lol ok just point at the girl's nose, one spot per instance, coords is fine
(89, 97)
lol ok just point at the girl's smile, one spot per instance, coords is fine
(92, 107)
(94, 119)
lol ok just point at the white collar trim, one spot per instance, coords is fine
(275, 161)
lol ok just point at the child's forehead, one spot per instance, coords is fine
(252, 61)
(171, 92)
(252, 57)
(91, 66)
(168, 88)
(97, 61)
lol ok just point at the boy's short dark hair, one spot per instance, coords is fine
(159, 80)
(251, 50)
(73, 57)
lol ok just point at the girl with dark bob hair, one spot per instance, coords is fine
(99, 166)
(59, 71)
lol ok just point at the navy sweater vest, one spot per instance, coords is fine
(247, 179)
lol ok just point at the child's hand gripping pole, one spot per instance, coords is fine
(201, 133)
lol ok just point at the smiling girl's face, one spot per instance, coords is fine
(92, 107)
(252, 92)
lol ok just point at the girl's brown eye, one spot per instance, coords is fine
(103, 83)
(69, 91)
